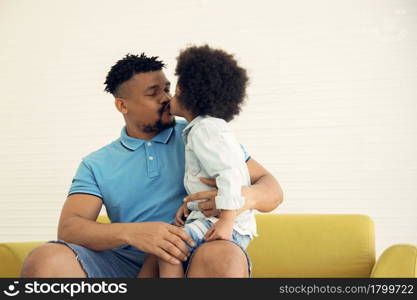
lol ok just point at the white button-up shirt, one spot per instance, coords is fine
(212, 151)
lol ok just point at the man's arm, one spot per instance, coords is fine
(78, 225)
(264, 195)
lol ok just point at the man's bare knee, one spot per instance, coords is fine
(51, 260)
(218, 259)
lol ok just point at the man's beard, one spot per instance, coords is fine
(159, 125)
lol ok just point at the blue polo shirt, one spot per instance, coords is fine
(138, 180)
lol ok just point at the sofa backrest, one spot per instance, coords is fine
(313, 245)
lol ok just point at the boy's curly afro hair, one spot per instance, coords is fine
(128, 66)
(210, 82)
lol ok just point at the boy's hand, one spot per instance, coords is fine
(182, 213)
(221, 230)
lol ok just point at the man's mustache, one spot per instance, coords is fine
(163, 108)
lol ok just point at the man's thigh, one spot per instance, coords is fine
(219, 259)
(113, 263)
(61, 259)
(52, 260)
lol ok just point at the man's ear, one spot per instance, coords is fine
(121, 105)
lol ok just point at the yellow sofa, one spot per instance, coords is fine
(295, 245)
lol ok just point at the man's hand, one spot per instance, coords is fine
(221, 230)
(182, 213)
(208, 207)
(161, 239)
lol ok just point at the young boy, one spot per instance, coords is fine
(209, 93)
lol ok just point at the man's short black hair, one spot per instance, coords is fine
(128, 66)
(211, 82)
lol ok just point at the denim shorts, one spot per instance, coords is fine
(123, 262)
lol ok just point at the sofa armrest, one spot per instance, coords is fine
(397, 261)
(12, 256)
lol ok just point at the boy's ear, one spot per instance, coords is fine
(121, 105)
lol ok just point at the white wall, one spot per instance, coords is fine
(331, 111)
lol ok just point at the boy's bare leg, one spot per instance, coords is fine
(150, 267)
(168, 270)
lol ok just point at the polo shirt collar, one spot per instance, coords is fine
(163, 136)
(134, 143)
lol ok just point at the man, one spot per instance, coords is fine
(139, 179)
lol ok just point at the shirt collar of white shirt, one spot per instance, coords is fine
(187, 129)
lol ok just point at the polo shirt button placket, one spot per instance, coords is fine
(151, 161)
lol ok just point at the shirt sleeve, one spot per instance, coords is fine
(84, 181)
(221, 157)
(247, 155)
